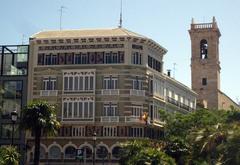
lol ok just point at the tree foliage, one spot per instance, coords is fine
(9, 155)
(204, 137)
(141, 152)
(39, 117)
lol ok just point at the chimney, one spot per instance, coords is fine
(169, 72)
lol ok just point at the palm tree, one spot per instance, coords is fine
(9, 156)
(39, 117)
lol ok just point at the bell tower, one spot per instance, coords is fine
(205, 65)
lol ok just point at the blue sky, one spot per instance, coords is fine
(165, 21)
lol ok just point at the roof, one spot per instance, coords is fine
(114, 32)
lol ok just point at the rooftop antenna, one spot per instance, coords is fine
(23, 38)
(120, 20)
(61, 12)
(174, 69)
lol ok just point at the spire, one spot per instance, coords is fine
(120, 20)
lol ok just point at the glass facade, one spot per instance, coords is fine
(12, 97)
(14, 60)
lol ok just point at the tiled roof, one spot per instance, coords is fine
(115, 32)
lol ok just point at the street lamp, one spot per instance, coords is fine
(14, 119)
(94, 146)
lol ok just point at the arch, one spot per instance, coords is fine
(70, 152)
(41, 145)
(116, 152)
(54, 152)
(86, 144)
(43, 150)
(102, 144)
(67, 145)
(88, 149)
(102, 151)
(114, 145)
(203, 49)
(55, 144)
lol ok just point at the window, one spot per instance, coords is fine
(54, 153)
(12, 97)
(98, 57)
(156, 113)
(110, 82)
(116, 151)
(42, 153)
(137, 111)
(109, 109)
(87, 151)
(137, 84)
(79, 81)
(78, 131)
(158, 87)
(6, 131)
(109, 131)
(70, 152)
(51, 59)
(154, 64)
(49, 83)
(203, 49)
(78, 59)
(114, 58)
(108, 58)
(204, 81)
(136, 58)
(81, 109)
(102, 152)
(150, 60)
(150, 85)
(84, 58)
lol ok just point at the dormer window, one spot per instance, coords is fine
(203, 49)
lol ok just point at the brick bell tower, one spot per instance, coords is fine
(205, 65)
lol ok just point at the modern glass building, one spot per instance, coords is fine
(13, 96)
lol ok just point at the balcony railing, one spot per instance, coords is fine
(137, 92)
(109, 119)
(179, 104)
(110, 91)
(48, 92)
(135, 119)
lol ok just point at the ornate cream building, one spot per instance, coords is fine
(102, 81)
(205, 66)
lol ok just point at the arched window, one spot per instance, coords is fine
(42, 153)
(87, 152)
(116, 152)
(54, 153)
(70, 152)
(203, 49)
(102, 152)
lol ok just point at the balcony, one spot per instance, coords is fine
(110, 92)
(133, 119)
(48, 92)
(109, 119)
(135, 92)
(179, 104)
